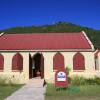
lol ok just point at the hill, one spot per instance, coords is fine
(93, 34)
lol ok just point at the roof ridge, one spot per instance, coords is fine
(43, 33)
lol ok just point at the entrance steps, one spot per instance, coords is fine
(36, 82)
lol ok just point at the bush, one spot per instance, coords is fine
(5, 81)
(78, 81)
(83, 81)
(67, 70)
(97, 80)
(2, 81)
(92, 81)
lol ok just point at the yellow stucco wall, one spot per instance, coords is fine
(15, 77)
(23, 77)
(99, 60)
(68, 60)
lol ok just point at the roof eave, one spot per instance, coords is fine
(90, 43)
(53, 50)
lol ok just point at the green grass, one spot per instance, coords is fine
(6, 90)
(83, 92)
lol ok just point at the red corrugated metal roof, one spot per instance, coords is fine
(44, 41)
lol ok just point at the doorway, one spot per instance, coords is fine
(36, 68)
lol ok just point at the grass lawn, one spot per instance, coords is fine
(6, 90)
(85, 92)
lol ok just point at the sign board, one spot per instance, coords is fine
(61, 76)
(61, 79)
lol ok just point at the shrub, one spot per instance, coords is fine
(85, 81)
(67, 70)
(78, 81)
(97, 80)
(92, 81)
(5, 81)
(2, 81)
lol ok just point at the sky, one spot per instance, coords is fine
(40, 12)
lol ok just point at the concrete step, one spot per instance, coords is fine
(35, 82)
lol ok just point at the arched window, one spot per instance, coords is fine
(96, 63)
(1, 62)
(78, 62)
(58, 61)
(96, 58)
(17, 62)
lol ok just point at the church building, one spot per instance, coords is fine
(31, 55)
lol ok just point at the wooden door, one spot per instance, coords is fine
(42, 67)
(30, 66)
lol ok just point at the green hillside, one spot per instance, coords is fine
(94, 35)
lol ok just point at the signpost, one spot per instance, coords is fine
(61, 79)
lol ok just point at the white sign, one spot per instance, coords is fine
(61, 76)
